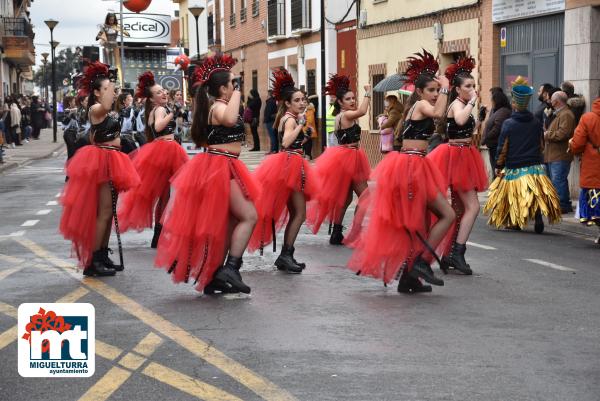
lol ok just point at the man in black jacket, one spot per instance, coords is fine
(269, 120)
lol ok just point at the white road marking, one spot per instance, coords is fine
(476, 245)
(551, 265)
(57, 195)
(30, 223)
(17, 234)
(52, 203)
(43, 212)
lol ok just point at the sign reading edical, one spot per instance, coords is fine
(147, 28)
(506, 10)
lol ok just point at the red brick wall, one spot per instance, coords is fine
(244, 33)
(489, 63)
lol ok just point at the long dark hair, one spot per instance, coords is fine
(286, 97)
(92, 97)
(420, 83)
(456, 83)
(106, 20)
(120, 103)
(339, 97)
(500, 100)
(202, 105)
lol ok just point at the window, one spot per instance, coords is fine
(210, 22)
(244, 11)
(276, 18)
(232, 11)
(311, 82)
(255, 8)
(300, 15)
(254, 79)
(378, 97)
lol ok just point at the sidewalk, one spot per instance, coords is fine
(34, 150)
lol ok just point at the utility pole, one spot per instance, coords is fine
(323, 102)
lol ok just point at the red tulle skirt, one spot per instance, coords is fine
(155, 163)
(280, 175)
(91, 167)
(393, 211)
(461, 166)
(338, 168)
(194, 237)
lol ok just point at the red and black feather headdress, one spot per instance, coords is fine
(145, 80)
(420, 64)
(463, 65)
(282, 82)
(91, 72)
(336, 84)
(218, 62)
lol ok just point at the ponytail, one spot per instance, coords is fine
(200, 119)
(147, 109)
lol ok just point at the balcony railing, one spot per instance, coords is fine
(255, 8)
(17, 27)
(243, 14)
(300, 15)
(232, 19)
(276, 18)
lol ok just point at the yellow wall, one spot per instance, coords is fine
(396, 9)
(393, 48)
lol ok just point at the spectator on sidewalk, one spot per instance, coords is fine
(254, 104)
(576, 102)
(310, 130)
(586, 142)
(556, 157)
(26, 119)
(15, 122)
(330, 123)
(37, 117)
(544, 98)
(269, 119)
(389, 136)
(501, 110)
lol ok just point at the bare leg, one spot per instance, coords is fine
(470, 203)
(245, 212)
(104, 217)
(297, 208)
(442, 209)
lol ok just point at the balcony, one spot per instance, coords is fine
(255, 8)
(232, 19)
(300, 17)
(243, 14)
(17, 39)
(276, 19)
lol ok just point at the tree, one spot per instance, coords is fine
(67, 62)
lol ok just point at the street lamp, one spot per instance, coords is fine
(196, 11)
(44, 63)
(51, 24)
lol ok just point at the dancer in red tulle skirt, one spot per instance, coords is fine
(156, 162)
(341, 169)
(461, 164)
(396, 240)
(211, 212)
(96, 174)
(287, 179)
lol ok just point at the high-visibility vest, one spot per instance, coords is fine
(330, 120)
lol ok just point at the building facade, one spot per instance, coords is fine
(17, 51)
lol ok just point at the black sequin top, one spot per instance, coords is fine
(420, 130)
(218, 134)
(169, 129)
(348, 135)
(455, 131)
(106, 131)
(297, 144)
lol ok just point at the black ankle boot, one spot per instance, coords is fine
(97, 267)
(410, 285)
(457, 260)
(108, 262)
(337, 237)
(285, 261)
(229, 276)
(302, 265)
(214, 287)
(539, 222)
(422, 269)
(155, 238)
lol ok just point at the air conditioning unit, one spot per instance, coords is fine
(438, 31)
(362, 19)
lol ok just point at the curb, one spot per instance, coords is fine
(11, 165)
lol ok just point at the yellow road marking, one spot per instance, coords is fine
(5, 273)
(73, 296)
(107, 385)
(107, 351)
(259, 385)
(11, 259)
(187, 384)
(148, 345)
(8, 336)
(132, 361)
(8, 310)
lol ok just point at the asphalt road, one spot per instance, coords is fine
(524, 327)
